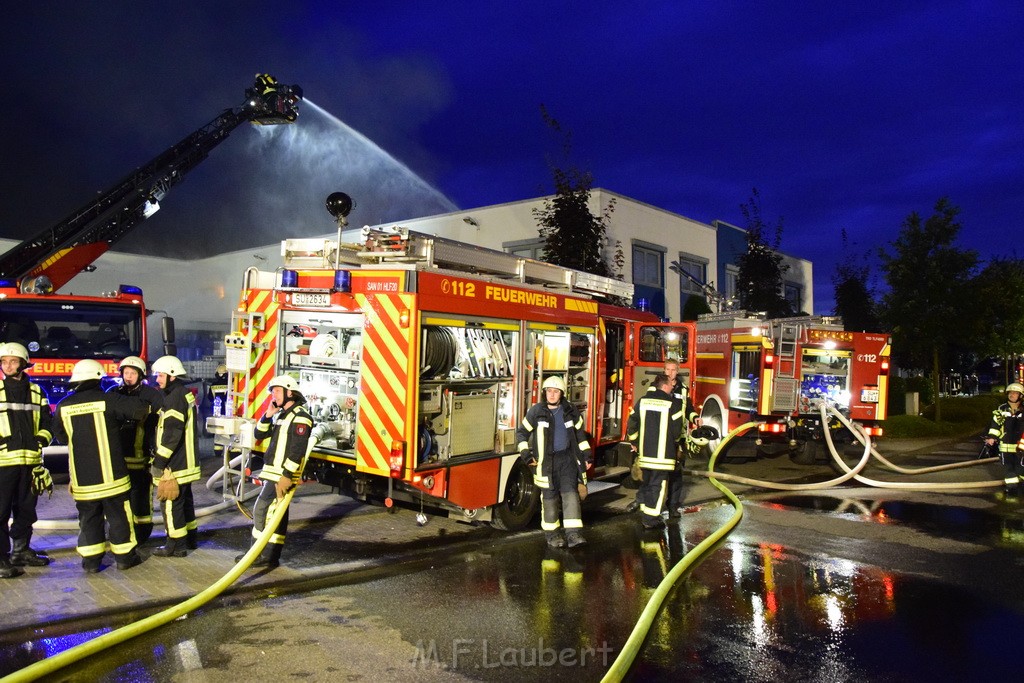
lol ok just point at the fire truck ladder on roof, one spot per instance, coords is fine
(404, 246)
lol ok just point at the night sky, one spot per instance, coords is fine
(842, 115)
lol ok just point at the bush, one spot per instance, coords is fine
(961, 416)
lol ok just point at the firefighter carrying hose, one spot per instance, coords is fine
(552, 441)
(176, 464)
(25, 420)
(655, 426)
(289, 425)
(138, 443)
(88, 420)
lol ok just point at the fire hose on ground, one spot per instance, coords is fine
(622, 664)
(120, 635)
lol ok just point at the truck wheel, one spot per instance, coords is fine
(521, 500)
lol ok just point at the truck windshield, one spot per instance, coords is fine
(63, 328)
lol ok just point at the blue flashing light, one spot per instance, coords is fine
(342, 281)
(130, 290)
(289, 278)
(643, 305)
(6, 282)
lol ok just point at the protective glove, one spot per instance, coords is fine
(42, 481)
(582, 489)
(284, 485)
(167, 488)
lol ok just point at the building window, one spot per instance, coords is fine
(648, 266)
(533, 248)
(793, 293)
(732, 277)
(697, 268)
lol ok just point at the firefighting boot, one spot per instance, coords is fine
(23, 556)
(555, 539)
(128, 560)
(172, 547)
(7, 570)
(270, 557)
(574, 538)
(92, 564)
(192, 539)
(143, 530)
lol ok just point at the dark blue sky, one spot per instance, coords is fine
(849, 116)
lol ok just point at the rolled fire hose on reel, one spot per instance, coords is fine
(120, 635)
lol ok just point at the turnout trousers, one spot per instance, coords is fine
(17, 501)
(560, 503)
(263, 510)
(115, 514)
(180, 513)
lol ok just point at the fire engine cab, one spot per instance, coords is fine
(422, 354)
(780, 371)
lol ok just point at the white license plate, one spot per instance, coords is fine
(315, 299)
(869, 395)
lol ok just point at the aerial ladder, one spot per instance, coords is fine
(48, 260)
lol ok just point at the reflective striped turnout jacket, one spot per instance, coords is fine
(25, 422)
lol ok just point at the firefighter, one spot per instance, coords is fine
(176, 464)
(88, 420)
(138, 443)
(288, 425)
(552, 441)
(1007, 429)
(682, 392)
(655, 426)
(25, 422)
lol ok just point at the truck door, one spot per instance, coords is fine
(652, 345)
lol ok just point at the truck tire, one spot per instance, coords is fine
(522, 500)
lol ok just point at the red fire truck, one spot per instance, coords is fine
(422, 354)
(779, 371)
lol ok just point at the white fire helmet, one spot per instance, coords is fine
(85, 370)
(1016, 386)
(133, 362)
(17, 350)
(169, 365)
(286, 381)
(554, 382)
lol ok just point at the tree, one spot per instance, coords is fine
(854, 300)
(759, 280)
(695, 306)
(998, 298)
(573, 236)
(929, 280)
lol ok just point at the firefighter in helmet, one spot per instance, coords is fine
(88, 420)
(138, 443)
(176, 463)
(288, 425)
(1007, 429)
(25, 421)
(551, 440)
(654, 427)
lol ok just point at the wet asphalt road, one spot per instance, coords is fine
(846, 585)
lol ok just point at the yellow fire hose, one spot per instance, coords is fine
(120, 635)
(620, 667)
(622, 664)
